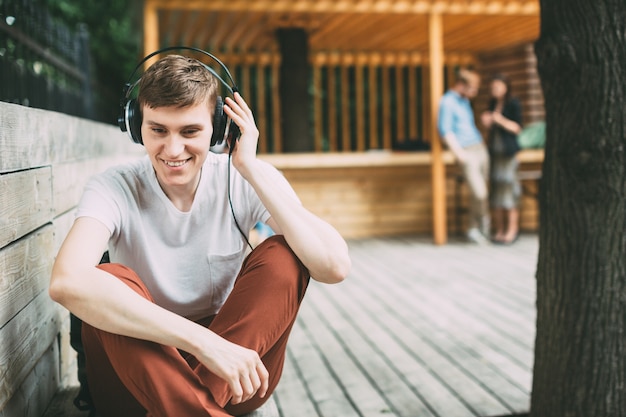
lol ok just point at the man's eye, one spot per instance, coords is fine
(158, 130)
(190, 132)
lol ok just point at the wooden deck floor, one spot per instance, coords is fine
(417, 330)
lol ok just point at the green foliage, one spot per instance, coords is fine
(114, 28)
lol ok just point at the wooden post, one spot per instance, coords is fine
(386, 108)
(360, 117)
(400, 91)
(151, 30)
(435, 29)
(276, 115)
(317, 107)
(261, 109)
(373, 108)
(332, 108)
(345, 109)
(413, 101)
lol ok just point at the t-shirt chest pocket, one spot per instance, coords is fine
(224, 270)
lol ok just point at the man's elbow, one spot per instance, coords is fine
(59, 288)
(56, 289)
(337, 271)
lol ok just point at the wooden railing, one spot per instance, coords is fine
(360, 101)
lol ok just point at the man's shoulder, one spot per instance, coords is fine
(130, 172)
(137, 166)
(450, 97)
(213, 158)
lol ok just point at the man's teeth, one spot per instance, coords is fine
(175, 163)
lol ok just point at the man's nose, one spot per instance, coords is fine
(174, 145)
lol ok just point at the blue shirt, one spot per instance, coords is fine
(456, 116)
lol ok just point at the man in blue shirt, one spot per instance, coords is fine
(458, 130)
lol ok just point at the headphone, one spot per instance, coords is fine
(130, 117)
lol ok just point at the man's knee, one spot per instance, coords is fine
(278, 261)
(480, 194)
(275, 251)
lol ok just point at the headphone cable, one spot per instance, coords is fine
(230, 201)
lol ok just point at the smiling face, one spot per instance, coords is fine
(177, 140)
(177, 96)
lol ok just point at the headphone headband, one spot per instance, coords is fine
(232, 88)
(130, 117)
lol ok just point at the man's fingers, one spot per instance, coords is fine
(237, 392)
(250, 384)
(242, 103)
(264, 377)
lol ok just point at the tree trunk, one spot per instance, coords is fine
(580, 352)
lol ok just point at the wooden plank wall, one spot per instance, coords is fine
(45, 160)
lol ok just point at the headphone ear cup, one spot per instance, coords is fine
(219, 122)
(133, 116)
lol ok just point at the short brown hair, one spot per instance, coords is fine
(178, 81)
(467, 77)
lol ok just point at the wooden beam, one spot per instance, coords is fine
(182, 25)
(251, 34)
(390, 59)
(476, 7)
(335, 25)
(435, 30)
(354, 32)
(339, 34)
(216, 37)
(203, 21)
(246, 23)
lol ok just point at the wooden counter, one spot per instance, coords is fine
(379, 193)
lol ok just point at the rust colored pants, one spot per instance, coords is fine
(130, 377)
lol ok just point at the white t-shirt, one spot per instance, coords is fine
(188, 260)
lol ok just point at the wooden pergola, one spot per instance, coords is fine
(429, 32)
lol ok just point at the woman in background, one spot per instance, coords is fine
(504, 121)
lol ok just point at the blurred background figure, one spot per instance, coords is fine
(503, 119)
(459, 132)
